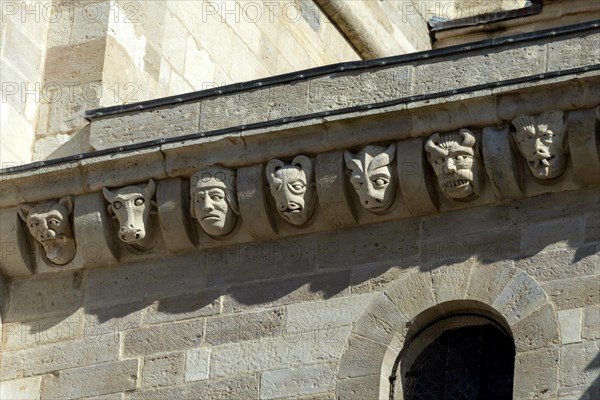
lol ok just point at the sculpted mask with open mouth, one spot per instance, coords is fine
(454, 160)
(541, 142)
(214, 200)
(292, 187)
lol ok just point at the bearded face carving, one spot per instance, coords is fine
(455, 162)
(49, 224)
(132, 206)
(293, 188)
(214, 201)
(372, 176)
(541, 142)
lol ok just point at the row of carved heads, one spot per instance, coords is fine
(454, 158)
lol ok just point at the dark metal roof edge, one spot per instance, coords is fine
(91, 115)
(534, 8)
(282, 121)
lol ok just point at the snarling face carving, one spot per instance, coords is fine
(541, 142)
(49, 224)
(455, 162)
(132, 206)
(214, 200)
(372, 176)
(292, 186)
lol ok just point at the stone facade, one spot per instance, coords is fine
(290, 240)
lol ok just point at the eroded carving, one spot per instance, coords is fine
(371, 176)
(50, 225)
(132, 206)
(214, 200)
(455, 161)
(541, 142)
(293, 188)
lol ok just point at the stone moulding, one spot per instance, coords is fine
(306, 193)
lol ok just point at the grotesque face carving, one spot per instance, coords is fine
(214, 200)
(455, 162)
(49, 224)
(292, 187)
(540, 141)
(372, 176)
(132, 206)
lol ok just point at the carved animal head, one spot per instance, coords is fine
(372, 176)
(454, 159)
(292, 186)
(214, 200)
(50, 225)
(132, 206)
(541, 142)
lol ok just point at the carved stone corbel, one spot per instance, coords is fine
(333, 191)
(254, 206)
(500, 163)
(16, 253)
(416, 185)
(584, 145)
(173, 203)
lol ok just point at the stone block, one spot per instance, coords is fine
(536, 374)
(450, 282)
(500, 163)
(278, 353)
(304, 317)
(583, 146)
(286, 291)
(239, 387)
(361, 388)
(163, 338)
(45, 296)
(29, 63)
(114, 319)
(143, 280)
(417, 187)
(570, 325)
(573, 52)
(245, 326)
(20, 335)
(556, 206)
(299, 381)
(54, 357)
(17, 255)
(172, 199)
(574, 293)
(520, 297)
(561, 264)
(332, 189)
(552, 235)
(592, 228)
(579, 364)
(413, 294)
(371, 278)
(162, 370)
(466, 222)
(253, 202)
(382, 322)
(185, 306)
(197, 364)
(488, 280)
(537, 330)
(25, 389)
(365, 360)
(119, 376)
(591, 323)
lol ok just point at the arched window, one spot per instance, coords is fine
(460, 357)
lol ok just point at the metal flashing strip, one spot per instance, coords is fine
(282, 121)
(336, 68)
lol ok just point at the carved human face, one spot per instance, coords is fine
(453, 159)
(292, 187)
(214, 202)
(541, 142)
(132, 206)
(49, 224)
(372, 176)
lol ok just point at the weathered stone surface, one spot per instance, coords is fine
(579, 364)
(572, 293)
(488, 280)
(420, 287)
(28, 388)
(570, 325)
(53, 295)
(553, 235)
(16, 253)
(561, 264)
(19, 335)
(591, 322)
(290, 350)
(54, 357)
(578, 52)
(332, 189)
(450, 282)
(185, 306)
(163, 370)
(519, 298)
(197, 364)
(240, 387)
(565, 205)
(365, 361)
(361, 388)
(173, 211)
(164, 338)
(114, 319)
(537, 330)
(245, 326)
(500, 162)
(381, 321)
(298, 381)
(583, 146)
(414, 178)
(536, 374)
(94, 380)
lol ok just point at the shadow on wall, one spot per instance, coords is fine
(535, 235)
